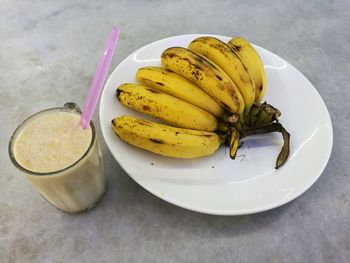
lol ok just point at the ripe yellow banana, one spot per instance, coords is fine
(233, 142)
(165, 107)
(175, 85)
(206, 75)
(255, 66)
(222, 55)
(166, 140)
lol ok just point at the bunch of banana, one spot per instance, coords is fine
(209, 93)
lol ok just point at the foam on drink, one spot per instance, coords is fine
(64, 160)
(52, 142)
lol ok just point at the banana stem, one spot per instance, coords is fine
(229, 118)
(259, 120)
(223, 137)
(274, 127)
(262, 115)
(223, 127)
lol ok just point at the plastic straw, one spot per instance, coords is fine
(99, 78)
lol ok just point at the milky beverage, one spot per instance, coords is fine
(63, 160)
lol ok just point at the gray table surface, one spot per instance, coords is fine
(48, 53)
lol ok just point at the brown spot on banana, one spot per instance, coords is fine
(144, 123)
(236, 47)
(232, 94)
(157, 141)
(120, 92)
(216, 46)
(146, 108)
(117, 93)
(224, 105)
(218, 77)
(153, 91)
(243, 64)
(205, 135)
(244, 80)
(199, 59)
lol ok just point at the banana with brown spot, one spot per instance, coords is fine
(222, 55)
(206, 75)
(255, 66)
(166, 140)
(164, 80)
(165, 107)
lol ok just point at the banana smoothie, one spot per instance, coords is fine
(62, 160)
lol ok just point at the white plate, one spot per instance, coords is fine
(216, 184)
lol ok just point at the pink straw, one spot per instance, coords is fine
(99, 78)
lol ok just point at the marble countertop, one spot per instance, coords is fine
(48, 53)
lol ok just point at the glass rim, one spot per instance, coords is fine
(65, 108)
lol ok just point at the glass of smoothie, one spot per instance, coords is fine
(62, 160)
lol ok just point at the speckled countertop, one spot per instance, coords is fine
(48, 53)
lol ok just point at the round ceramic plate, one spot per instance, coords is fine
(216, 184)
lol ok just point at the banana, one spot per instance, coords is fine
(173, 84)
(222, 55)
(233, 142)
(165, 107)
(206, 75)
(255, 66)
(166, 140)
